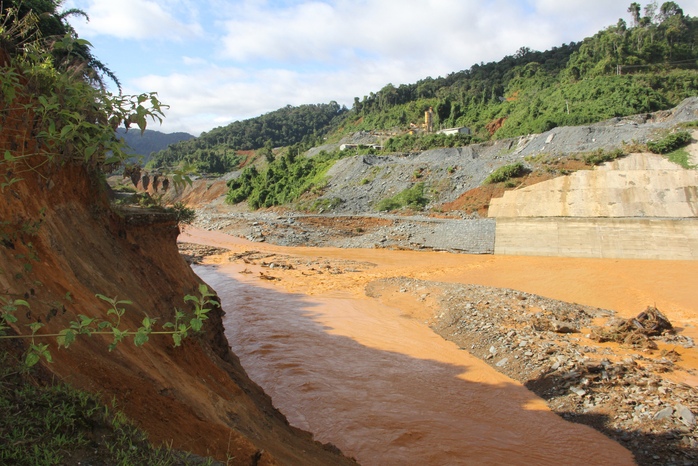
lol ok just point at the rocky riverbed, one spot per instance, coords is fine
(625, 391)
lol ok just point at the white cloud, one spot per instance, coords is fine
(194, 61)
(139, 19)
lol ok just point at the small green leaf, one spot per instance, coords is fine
(8, 156)
(140, 339)
(105, 298)
(65, 130)
(177, 338)
(65, 338)
(35, 326)
(196, 324)
(31, 359)
(21, 302)
(85, 321)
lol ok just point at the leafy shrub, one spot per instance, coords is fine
(410, 142)
(600, 156)
(185, 215)
(670, 143)
(322, 205)
(681, 157)
(506, 172)
(283, 181)
(411, 197)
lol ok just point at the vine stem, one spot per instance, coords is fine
(49, 335)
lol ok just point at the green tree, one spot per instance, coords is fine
(669, 9)
(49, 24)
(634, 10)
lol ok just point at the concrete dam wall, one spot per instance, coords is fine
(641, 207)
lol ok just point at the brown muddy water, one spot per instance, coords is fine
(377, 382)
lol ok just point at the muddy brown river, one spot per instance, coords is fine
(377, 382)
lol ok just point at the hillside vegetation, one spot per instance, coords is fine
(622, 70)
(214, 151)
(645, 65)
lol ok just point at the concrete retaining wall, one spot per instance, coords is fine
(475, 236)
(642, 185)
(631, 238)
(638, 207)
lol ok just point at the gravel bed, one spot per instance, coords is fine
(543, 343)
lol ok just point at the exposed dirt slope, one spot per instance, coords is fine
(196, 397)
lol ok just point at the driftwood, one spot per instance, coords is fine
(635, 331)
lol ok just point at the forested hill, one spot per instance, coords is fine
(149, 141)
(622, 70)
(644, 64)
(214, 151)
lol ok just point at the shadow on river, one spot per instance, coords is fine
(387, 390)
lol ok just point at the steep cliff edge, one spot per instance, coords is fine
(61, 244)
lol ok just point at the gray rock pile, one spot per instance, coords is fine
(627, 392)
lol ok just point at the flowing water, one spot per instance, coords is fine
(383, 387)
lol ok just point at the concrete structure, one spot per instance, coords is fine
(360, 146)
(641, 206)
(429, 120)
(454, 131)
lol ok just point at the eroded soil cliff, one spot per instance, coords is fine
(61, 244)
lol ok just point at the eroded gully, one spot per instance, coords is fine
(382, 386)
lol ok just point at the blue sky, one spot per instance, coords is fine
(219, 61)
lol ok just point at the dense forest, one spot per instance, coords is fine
(641, 65)
(622, 70)
(214, 152)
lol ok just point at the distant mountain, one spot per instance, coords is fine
(150, 141)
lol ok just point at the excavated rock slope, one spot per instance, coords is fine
(360, 182)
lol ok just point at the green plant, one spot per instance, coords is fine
(185, 215)
(283, 181)
(680, 157)
(178, 329)
(323, 205)
(56, 424)
(412, 197)
(670, 142)
(600, 156)
(506, 172)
